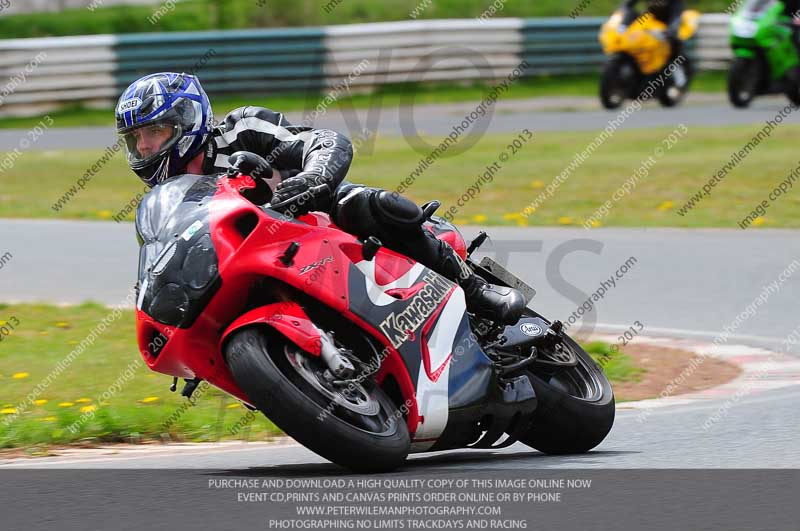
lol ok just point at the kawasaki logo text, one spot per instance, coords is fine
(398, 327)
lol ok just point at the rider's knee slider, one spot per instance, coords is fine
(396, 211)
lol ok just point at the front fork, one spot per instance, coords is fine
(340, 367)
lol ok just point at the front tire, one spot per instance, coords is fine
(573, 415)
(364, 433)
(616, 81)
(743, 80)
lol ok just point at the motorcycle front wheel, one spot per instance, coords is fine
(616, 81)
(356, 425)
(742, 81)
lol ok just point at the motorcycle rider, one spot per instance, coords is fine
(667, 11)
(791, 8)
(167, 125)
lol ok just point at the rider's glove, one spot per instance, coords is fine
(294, 195)
(291, 187)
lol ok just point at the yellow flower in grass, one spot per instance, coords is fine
(522, 222)
(3, 323)
(460, 221)
(104, 214)
(666, 205)
(595, 223)
(20, 375)
(479, 218)
(62, 324)
(72, 342)
(83, 400)
(150, 399)
(8, 411)
(565, 220)
(88, 409)
(40, 402)
(758, 221)
(537, 184)
(234, 406)
(65, 404)
(512, 216)
(48, 419)
(44, 333)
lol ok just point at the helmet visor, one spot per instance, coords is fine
(146, 144)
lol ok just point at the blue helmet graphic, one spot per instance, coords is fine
(165, 120)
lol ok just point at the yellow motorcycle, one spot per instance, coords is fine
(638, 63)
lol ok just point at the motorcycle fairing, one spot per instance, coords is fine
(643, 39)
(430, 320)
(288, 318)
(178, 267)
(760, 27)
(328, 267)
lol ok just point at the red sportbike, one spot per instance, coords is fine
(359, 353)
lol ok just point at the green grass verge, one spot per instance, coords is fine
(125, 401)
(195, 15)
(45, 335)
(618, 366)
(387, 96)
(39, 179)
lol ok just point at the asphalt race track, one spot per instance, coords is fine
(541, 114)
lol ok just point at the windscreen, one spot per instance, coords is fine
(756, 7)
(177, 260)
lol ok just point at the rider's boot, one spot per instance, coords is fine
(498, 303)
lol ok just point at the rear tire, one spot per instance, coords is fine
(564, 424)
(793, 92)
(259, 360)
(743, 80)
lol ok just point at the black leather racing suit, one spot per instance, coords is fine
(322, 156)
(791, 8)
(667, 11)
(319, 153)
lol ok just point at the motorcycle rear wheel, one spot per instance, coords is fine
(361, 430)
(793, 92)
(576, 407)
(671, 94)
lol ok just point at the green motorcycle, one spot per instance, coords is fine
(765, 57)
